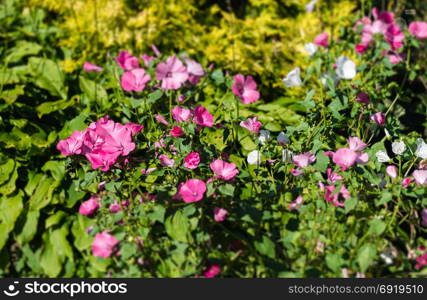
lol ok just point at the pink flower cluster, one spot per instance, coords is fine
(172, 73)
(344, 158)
(102, 143)
(193, 190)
(383, 24)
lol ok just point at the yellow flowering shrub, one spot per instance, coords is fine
(262, 37)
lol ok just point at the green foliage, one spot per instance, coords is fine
(42, 101)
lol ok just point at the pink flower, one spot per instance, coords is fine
(421, 260)
(418, 29)
(356, 144)
(147, 59)
(361, 48)
(332, 176)
(192, 190)
(424, 217)
(114, 207)
(134, 128)
(192, 160)
(165, 161)
(195, 70)
(89, 206)
(134, 80)
(334, 198)
(251, 124)
(73, 144)
(147, 171)
(296, 204)
(104, 244)
(162, 120)
(322, 40)
(420, 177)
(394, 36)
(406, 182)
(378, 118)
(344, 158)
(176, 131)
(101, 143)
(362, 158)
(224, 170)
(391, 171)
(172, 73)
(105, 141)
(212, 271)
(220, 214)
(89, 67)
(296, 172)
(159, 144)
(395, 58)
(245, 89)
(126, 61)
(202, 117)
(362, 98)
(303, 160)
(180, 114)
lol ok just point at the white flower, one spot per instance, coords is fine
(346, 68)
(388, 255)
(382, 156)
(264, 136)
(282, 139)
(254, 157)
(287, 155)
(387, 259)
(325, 76)
(293, 78)
(310, 48)
(421, 151)
(310, 6)
(398, 147)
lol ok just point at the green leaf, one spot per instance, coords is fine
(335, 107)
(6, 170)
(350, 204)
(29, 228)
(376, 227)
(9, 187)
(226, 189)
(266, 247)
(127, 251)
(22, 48)
(366, 256)
(218, 76)
(55, 219)
(153, 97)
(49, 107)
(334, 262)
(385, 197)
(11, 95)
(48, 75)
(43, 193)
(308, 103)
(82, 240)
(10, 209)
(178, 227)
(322, 161)
(158, 214)
(56, 168)
(94, 91)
